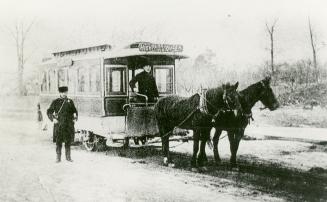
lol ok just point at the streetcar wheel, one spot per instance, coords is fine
(90, 142)
(126, 142)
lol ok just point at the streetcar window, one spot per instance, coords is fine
(95, 84)
(62, 77)
(83, 78)
(164, 80)
(98, 82)
(71, 80)
(44, 86)
(116, 81)
(52, 81)
(116, 77)
(88, 76)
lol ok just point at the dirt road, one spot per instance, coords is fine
(28, 172)
(269, 170)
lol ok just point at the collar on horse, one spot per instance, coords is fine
(203, 105)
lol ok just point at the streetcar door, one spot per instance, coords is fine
(115, 89)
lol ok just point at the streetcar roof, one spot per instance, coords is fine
(81, 51)
(106, 51)
(148, 49)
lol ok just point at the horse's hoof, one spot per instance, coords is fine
(203, 169)
(171, 165)
(165, 161)
(194, 169)
(235, 169)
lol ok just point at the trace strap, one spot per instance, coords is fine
(203, 108)
(181, 123)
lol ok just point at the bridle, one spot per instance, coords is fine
(227, 100)
(204, 107)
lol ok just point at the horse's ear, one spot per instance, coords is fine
(268, 79)
(235, 85)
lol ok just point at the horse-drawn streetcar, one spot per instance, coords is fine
(98, 81)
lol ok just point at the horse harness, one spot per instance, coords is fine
(203, 107)
(247, 113)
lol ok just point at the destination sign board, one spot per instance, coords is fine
(64, 62)
(147, 47)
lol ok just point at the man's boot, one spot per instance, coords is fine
(58, 151)
(67, 151)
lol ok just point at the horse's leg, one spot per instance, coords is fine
(237, 138)
(205, 135)
(143, 140)
(136, 140)
(232, 145)
(215, 140)
(165, 149)
(196, 138)
(165, 143)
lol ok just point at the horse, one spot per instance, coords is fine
(195, 113)
(235, 125)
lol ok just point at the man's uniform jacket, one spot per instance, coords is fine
(147, 85)
(64, 130)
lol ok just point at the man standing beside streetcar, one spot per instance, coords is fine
(63, 113)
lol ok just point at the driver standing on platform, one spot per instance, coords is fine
(146, 83)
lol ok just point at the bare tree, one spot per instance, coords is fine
(270, 30)
(314, 49)
(19, 34)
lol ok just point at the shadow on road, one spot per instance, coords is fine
(271, 178)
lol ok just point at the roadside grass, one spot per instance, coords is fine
(292, 116)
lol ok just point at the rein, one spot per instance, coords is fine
(181, 123)
(204, 108)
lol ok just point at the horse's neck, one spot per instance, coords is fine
(214, 99)
(250, 96)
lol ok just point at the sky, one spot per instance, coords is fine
(234, 30)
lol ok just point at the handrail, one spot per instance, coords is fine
(125, 106)
(146, 98)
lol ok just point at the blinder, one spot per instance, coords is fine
(227, 101)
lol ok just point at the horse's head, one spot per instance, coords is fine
(231, 96)
(232, 106)
(267, 96)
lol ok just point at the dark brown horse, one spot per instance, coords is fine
(235, 125)
(187, 113)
